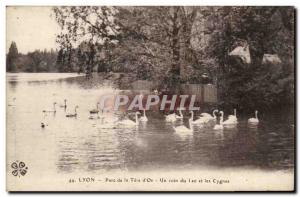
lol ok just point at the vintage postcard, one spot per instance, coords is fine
(157, 98)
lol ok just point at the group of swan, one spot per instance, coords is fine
(137, 119)
(205, 118)
(130, 122)
(51, 111)
(69, 115)
(232, 120)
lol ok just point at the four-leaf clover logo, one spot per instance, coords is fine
(19, 168)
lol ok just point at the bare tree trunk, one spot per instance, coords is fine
(175, 44)
(187, 25)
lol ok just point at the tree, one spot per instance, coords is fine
(60, 60)
(157, 37)
(37, 64)
(94, 26)
(157, 40)
(12, 57)
(255, 85)
(176, 44)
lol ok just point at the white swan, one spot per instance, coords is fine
(95, 111)
(180, 115)
(254, 120)
(51, 111)
(230, 123)
(72, 115)
(206, 117)
(233, 117)
(108, 117)
(171, 117)
(184, 129)
(144, 117)
(232, 120)
(127, 122)
(220, 125)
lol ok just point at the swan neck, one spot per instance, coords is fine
(222, 118)
(190, 124)
(256, 115)
(214, 113)
(136, 118)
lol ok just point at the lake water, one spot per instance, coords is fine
(68, 145)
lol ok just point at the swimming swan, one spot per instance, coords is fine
(95, 111)
(254, 120)
(144, 117)
(72, 115)
(184, 129)
(206, 117)
(233, 117)
(180, 115)
(127, 122)
(171, 117)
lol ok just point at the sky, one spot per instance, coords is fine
(31, 28)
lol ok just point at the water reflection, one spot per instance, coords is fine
(89, 144)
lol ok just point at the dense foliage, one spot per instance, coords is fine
(36, 61)
(182, 44)
(175, 44)
(263, 85)
(12, 57)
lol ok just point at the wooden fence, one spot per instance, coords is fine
(204, 93)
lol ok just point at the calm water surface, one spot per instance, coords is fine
(82, 144)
